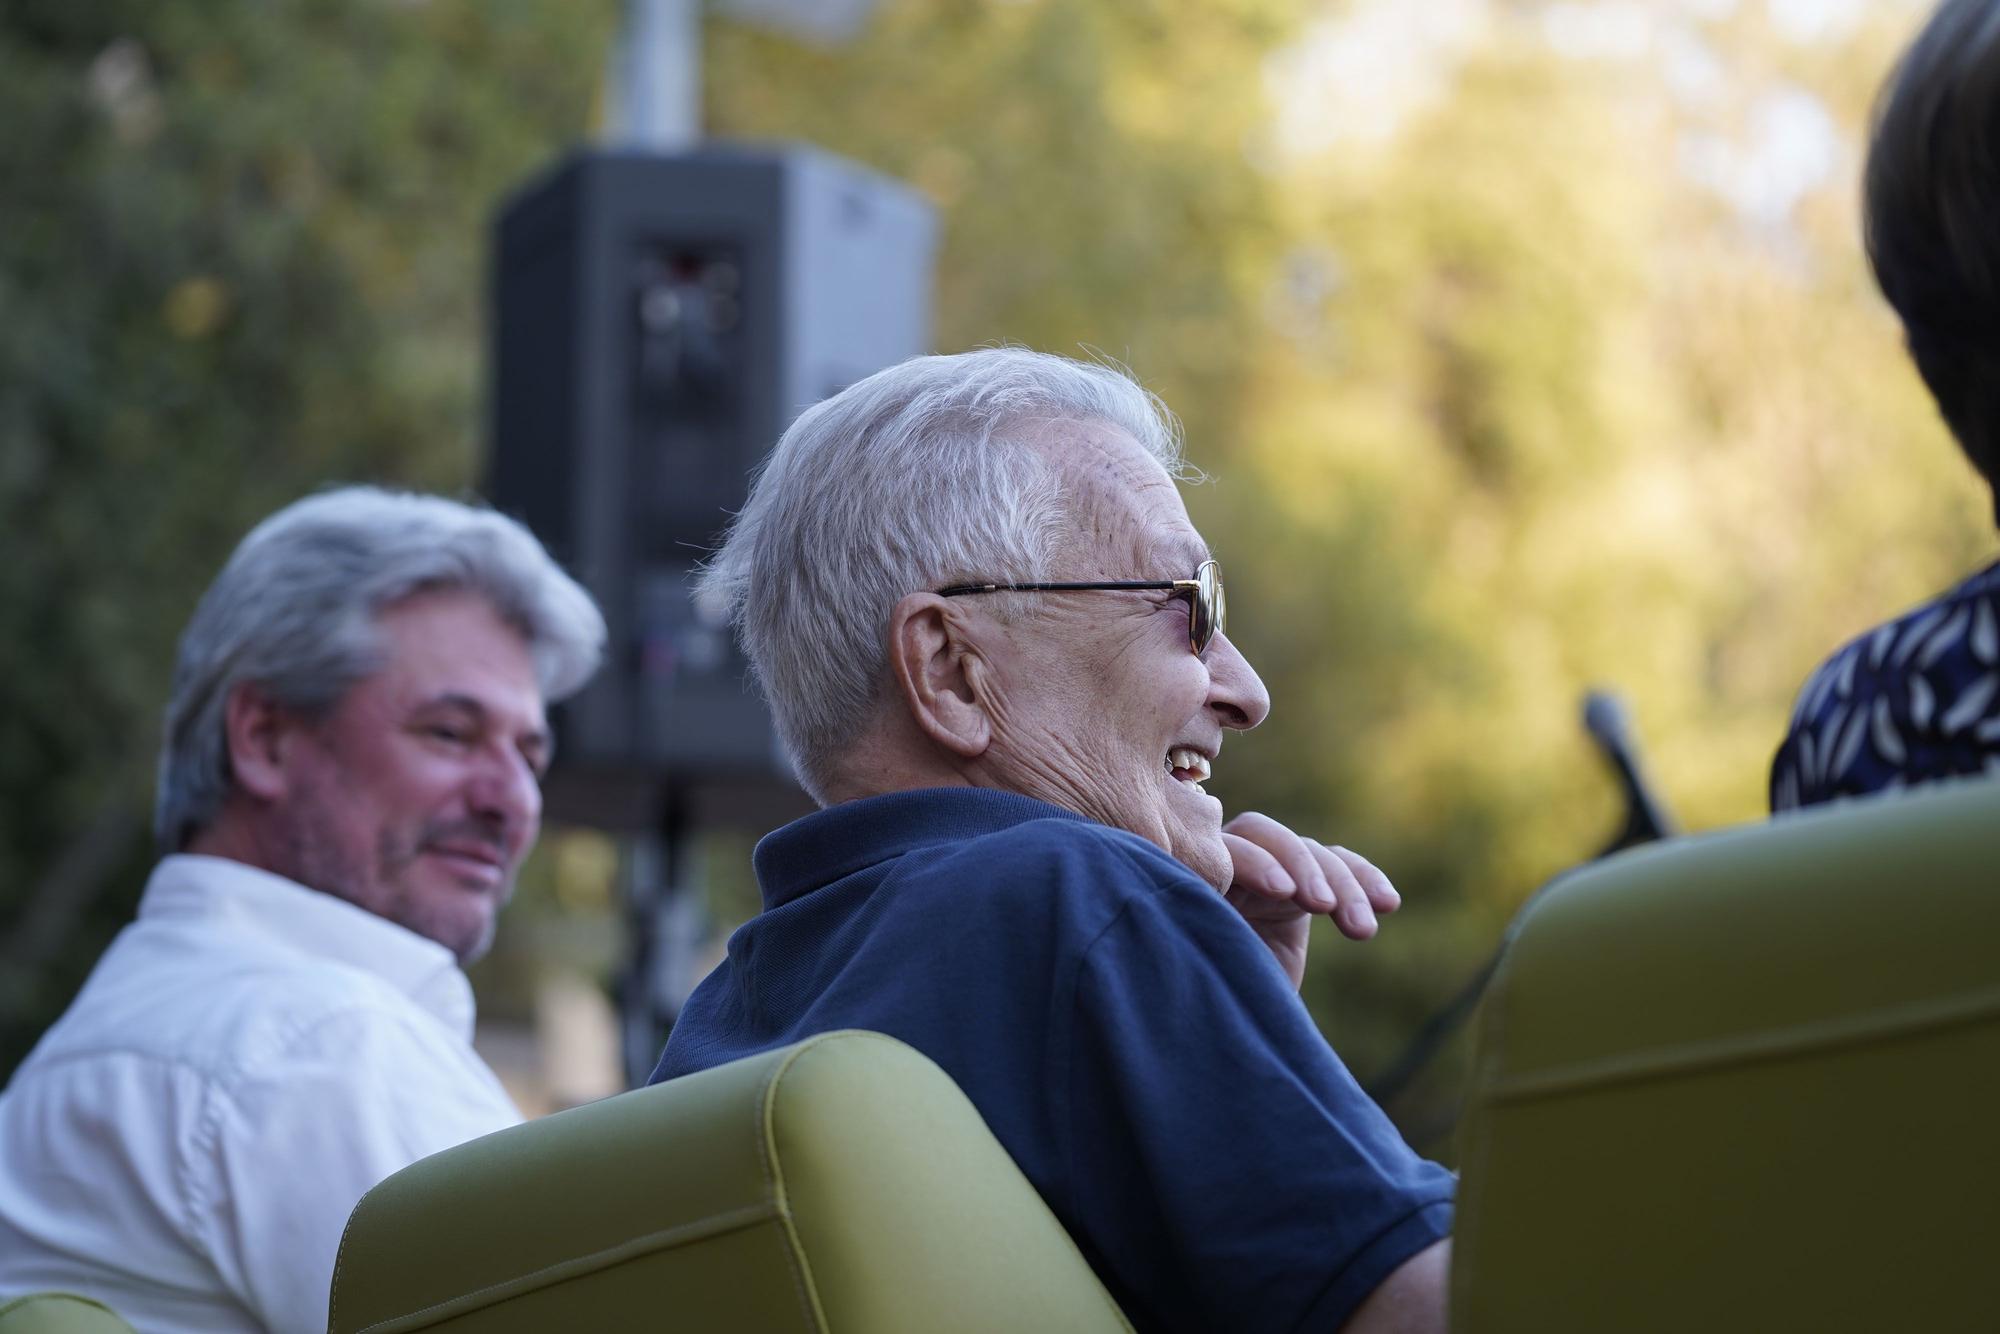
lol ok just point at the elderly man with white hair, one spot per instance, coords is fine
(348, 782)
(993, 643)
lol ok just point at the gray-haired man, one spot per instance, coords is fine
(348, 782)
(994, 642)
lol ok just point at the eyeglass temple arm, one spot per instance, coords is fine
(1116, 585)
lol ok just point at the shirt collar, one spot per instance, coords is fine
(242, 899)
(840, 840)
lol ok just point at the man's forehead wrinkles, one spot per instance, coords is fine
(1135, 545)
(1125, 520)
(1098, 448)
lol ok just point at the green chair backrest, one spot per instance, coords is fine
(844, 1184)
(1748, 1081)
(59, 1313)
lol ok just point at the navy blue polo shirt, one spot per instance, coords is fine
(1124, 1034)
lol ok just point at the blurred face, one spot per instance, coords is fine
(418, 796)
(1100, 707)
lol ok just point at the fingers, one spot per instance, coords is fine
(1335, 881)
(1268, 846)
(1382, 895)
(1256, 869)
(1358, 886)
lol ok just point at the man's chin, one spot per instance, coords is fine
(1191, 822)
(467, 937)
(474, 947)
(1207, 856)
(459, 916)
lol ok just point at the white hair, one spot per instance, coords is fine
(295, 609)
(915, 478)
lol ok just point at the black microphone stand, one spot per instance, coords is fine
(1646, 821)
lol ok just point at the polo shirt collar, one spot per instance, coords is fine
(257, 906)
(840, 840)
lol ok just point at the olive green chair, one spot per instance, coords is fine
(842, 1185)
(1748, 1081)
(59, 1313)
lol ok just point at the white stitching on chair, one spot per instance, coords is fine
(766, 1157)
(1680, 1059)
(578, 1265)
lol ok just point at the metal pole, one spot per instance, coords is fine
(667, 931)
(647, 873)
(657, 76)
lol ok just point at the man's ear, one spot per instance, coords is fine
(940, 674)
(259, 733)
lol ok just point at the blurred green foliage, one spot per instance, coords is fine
(1497, 408)
(241, 259)
(1498, 405)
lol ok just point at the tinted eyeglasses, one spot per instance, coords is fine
(1206, 608)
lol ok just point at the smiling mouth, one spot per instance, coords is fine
(1188, 766)
(482, 866)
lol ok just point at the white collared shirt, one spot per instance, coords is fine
(245, 1061)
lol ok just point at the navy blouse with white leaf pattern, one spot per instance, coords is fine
(1912, 701)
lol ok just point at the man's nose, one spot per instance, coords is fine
(507, 792)
(1235, 691)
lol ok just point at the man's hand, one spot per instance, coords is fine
(1283, 881)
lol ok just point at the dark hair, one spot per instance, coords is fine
(1931, 214)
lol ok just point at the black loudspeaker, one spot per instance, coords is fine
(658, 321)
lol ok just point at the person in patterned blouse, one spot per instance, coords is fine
(1918, 699)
